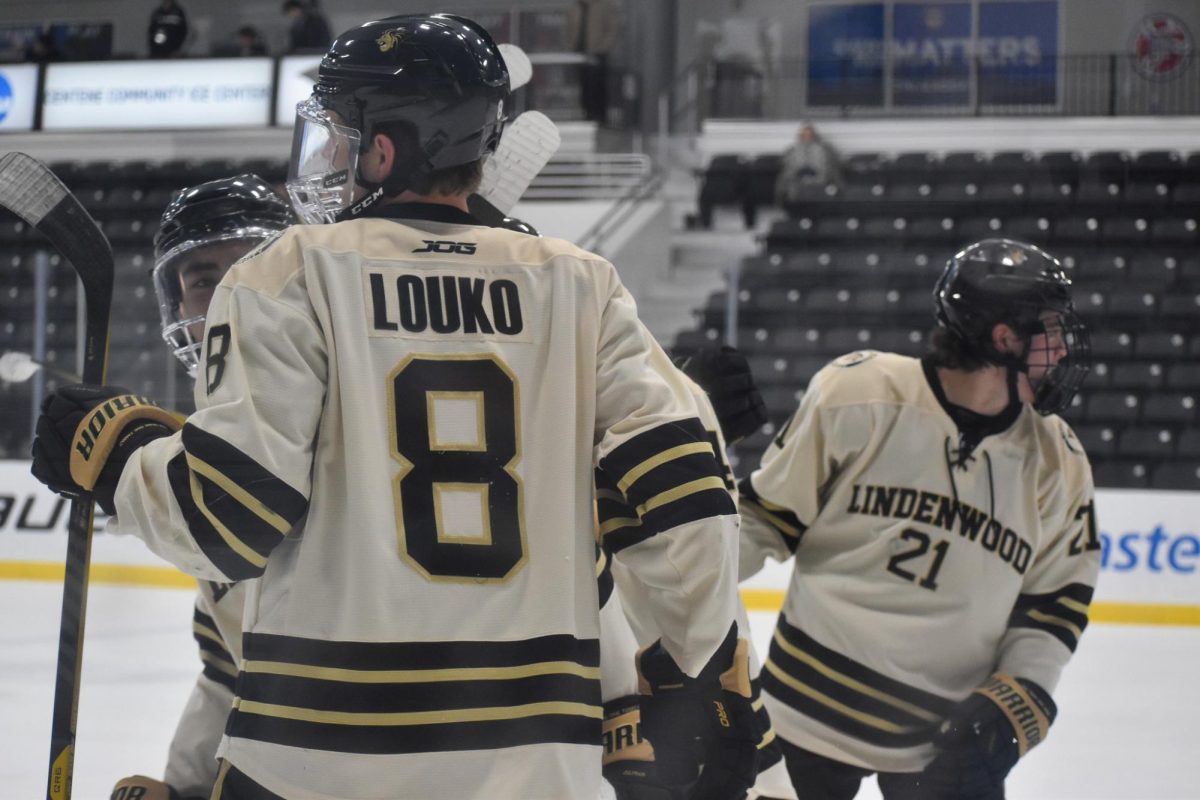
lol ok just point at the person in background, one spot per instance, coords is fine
(249, 42)
(942, 520)
(308, 30)
(592, 29)
(809, 161)
(168, 30)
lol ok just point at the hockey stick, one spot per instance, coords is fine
(526, 146)
(30, 190)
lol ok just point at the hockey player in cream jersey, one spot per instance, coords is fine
(945, 544)
(398, 416)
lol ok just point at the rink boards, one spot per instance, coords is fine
(1150, 552)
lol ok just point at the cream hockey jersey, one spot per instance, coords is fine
(921, 567)
(396, 428)
(217, 627)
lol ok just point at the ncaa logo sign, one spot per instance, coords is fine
(6, 97)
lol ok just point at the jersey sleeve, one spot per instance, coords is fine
(1051, 612)
(654, 456)
(780, 499)
(218, 496)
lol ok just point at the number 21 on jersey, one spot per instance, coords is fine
(454, 423)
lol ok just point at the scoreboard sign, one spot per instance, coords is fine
(200, 93)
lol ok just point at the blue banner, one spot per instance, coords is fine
(845, 55)
(1017, 51)
(931, 44)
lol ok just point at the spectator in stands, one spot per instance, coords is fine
(249, 42)
(168, 29)
(592, 30)
(810, 161)
(309, 30)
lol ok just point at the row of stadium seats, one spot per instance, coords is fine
(853, 267)
(1069, 229)
(1149, 181)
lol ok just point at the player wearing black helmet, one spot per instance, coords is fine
(398, 419)
(945, 543)
(428, 93)
(203, 231)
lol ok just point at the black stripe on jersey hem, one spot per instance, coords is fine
(933, 703)
(838, 721)
(236, 785)
(332, 695)
(419, 655)
(808, 688)
(245, 472)
(432, 738)
(214, 548)
(782, 520)
(605, 579)
(217, 676)
(1062, 614)
(215, 649)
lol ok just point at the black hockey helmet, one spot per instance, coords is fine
(242, 210)
(1004, 281)
(439, 79)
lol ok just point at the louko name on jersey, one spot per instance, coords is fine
(442, 304)
(944, 512)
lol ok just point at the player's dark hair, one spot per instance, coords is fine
(458, 179)
(950, 351)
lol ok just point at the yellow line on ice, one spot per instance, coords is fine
(755, 599)
(120, 574)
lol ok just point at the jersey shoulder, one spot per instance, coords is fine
(869, 376)
(1062, 454)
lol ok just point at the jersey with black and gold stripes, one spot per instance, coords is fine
(397, 424)
(924, 561)
(217, 628)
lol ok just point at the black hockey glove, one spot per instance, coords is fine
(86, 434)
(724, 375)
(704, 730)
(986, 734)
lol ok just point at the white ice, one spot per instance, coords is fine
(1129, 724)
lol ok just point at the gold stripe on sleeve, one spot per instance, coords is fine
(1049, 619)
(671, 454)
(235, 544)
(248, 500)
(681, 491)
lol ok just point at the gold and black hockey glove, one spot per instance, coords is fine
(724, 375)
(986, 734)
(86, 434)
(704, 730)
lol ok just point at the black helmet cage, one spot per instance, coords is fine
(240, 208)
(440, 76)
(1003, 281)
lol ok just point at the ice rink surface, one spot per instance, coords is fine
(1129, 703)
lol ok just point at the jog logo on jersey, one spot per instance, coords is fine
(465, 306)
